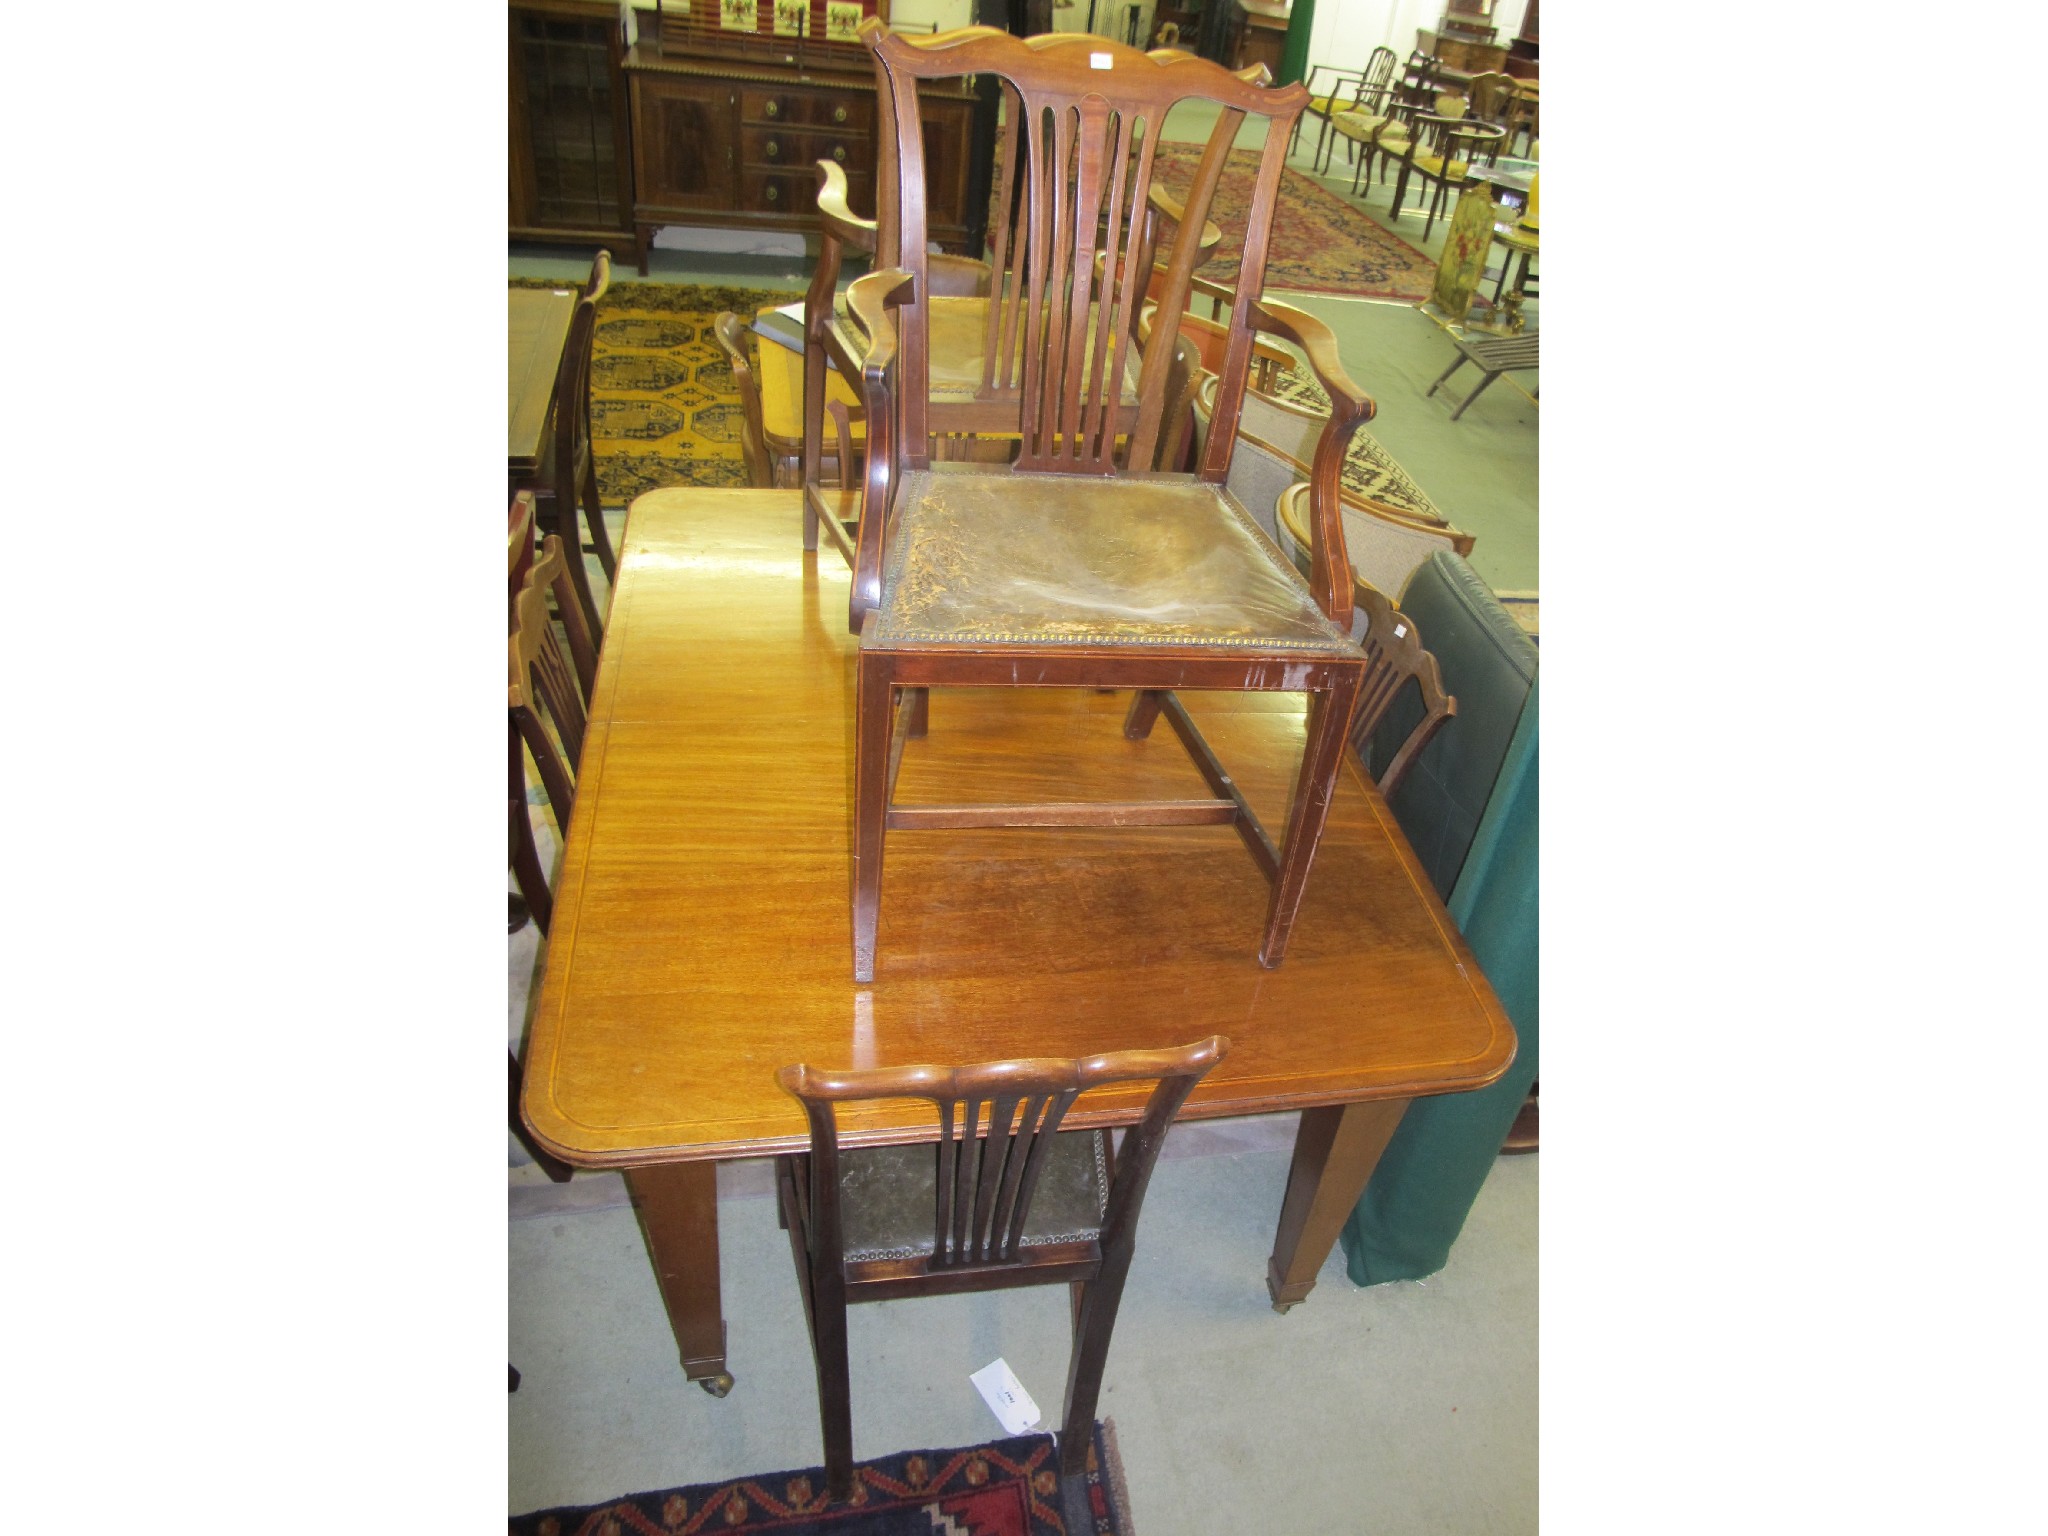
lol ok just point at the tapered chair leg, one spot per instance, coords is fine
(874, 717)
(1094, 1322)
(1329, 722)
(1144, 710)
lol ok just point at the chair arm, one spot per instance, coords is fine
(871, 298)
(1350, 408)
(838, 218)
(1165, 202)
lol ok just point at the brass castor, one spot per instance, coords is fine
(717, 1385)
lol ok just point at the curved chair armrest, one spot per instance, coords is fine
(1165, 202)
(840, 219)
(871, 298)
(1350, 408)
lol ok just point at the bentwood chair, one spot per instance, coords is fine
(1004, 1199)
(567, 477)
(1081, 567)
(1370, 88)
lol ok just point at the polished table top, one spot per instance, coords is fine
(702, 936)
(537, 325)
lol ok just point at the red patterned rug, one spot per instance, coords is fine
(1321, 242)
(1006, 1488)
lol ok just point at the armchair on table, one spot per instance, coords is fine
(1005, 1199)
(1078, 567)
(567, 477)
(1370, 89)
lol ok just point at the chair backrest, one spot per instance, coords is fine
(997, 1121)
(547, 705)
(1490, 95)
(572, 386)
(1490, 664)
(1394, 654)
(520, 561)
(730, 333)
(1377, 78)
(1082, 116)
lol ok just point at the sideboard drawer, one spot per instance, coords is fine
(808, 109)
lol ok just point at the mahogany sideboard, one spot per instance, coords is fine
(733, 143)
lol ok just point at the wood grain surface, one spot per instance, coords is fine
(537, 323)
(702, 912)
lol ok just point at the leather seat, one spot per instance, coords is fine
(1020, 558)
(887, 1196)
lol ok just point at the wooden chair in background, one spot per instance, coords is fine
(1003, 1200)
(1442, 150)
(730, 331)
(1080, 567)
(1394, 654)
(1368, 94)
(567, 477)
(548, 703)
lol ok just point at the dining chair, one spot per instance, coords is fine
(1004, 1198)
(1395, 656)
(730, 331)
(567, 477)
(1383, 135)
(1079, 566)
(1368, 93)
(545, 573)
(1443, 149)
(547, 713)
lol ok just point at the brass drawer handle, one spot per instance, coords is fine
(839, 114)
(774, 148)
(773, 109)
(839, 153)
(774, 193)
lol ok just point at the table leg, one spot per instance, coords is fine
(678, 1208)
(1335, 1152)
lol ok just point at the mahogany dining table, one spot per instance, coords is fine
(702, 935)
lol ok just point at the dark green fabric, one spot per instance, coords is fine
(1301, 20)
(1416, 1202)
(1488, 663)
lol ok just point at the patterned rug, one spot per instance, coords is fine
(663, 406)
(1321, 243)
(1006, 1488)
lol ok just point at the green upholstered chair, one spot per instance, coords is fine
(1469, 808)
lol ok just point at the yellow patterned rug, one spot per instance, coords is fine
(664, 409)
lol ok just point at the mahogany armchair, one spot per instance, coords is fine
(1079, 566)
(1004, 1199)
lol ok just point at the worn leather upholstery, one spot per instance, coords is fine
(888, 1196)
(1489, 664)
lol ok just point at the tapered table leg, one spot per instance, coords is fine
(1335, 1152)
(678, 1208)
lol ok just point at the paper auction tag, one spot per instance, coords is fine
(1003, 1392)
(1099, 61)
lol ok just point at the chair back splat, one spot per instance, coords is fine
(1074, 189)
(851, 1210)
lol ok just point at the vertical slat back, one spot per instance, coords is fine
(988, 1175)
(545, 700)
(1082, 123)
